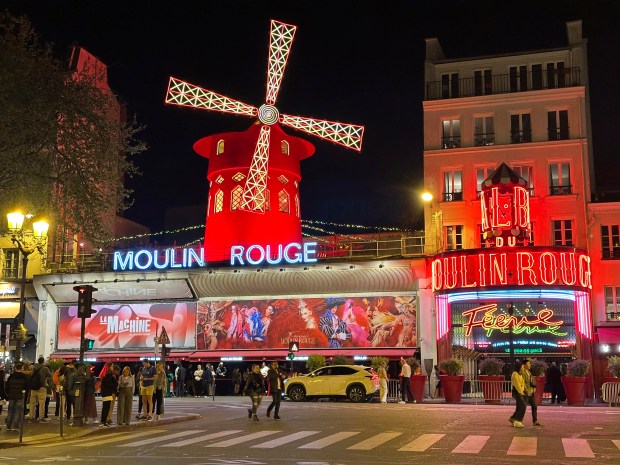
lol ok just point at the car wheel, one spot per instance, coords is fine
(297, 393)
(356, 393)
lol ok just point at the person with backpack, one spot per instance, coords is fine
(39, 381)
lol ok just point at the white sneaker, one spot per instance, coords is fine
(517, 424)
(401, 401)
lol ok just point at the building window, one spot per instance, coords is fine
(518, 78)
(537, 77)
(452, 186)
(235, 198)
(526, 172)
(481, 175)
(450, 85)
(219, 202)
(453, 237)
(11, 263)
(563, 232)
(612, 295)
(483, 82)
(451, 134)
(520, 128)
(557, 125)
(560, 179)
(483, 131)
(283, 202)
(284, 146)
(610, 238)
(556, 75)
(220, 146)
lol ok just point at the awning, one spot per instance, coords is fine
(119, 356)
(608, 335)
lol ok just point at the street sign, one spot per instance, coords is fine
(163, 336)
(293, 346)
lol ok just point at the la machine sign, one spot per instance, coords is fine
(513, 266)
(181, 258)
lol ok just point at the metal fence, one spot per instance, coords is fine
(484, 390)
(611, 393)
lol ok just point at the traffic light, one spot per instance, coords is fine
(166, 351)
(85, 300)
(88, 344)
(291, 355)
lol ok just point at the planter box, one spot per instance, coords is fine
(540, 388)
(575, 389)
(492, 388)
(417, 383)
(452, 388)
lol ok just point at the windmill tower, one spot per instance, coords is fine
(254, 175)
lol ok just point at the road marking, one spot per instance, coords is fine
(159, 439)
(374, 441)
(285, 440)
(422, 443)
(73, 442)
(219, 434)
(107, 440)
(329, 440)
(35, 437)
(523, 446)
(577, 448)
(246, 438)
(472, 444)
(616, 442)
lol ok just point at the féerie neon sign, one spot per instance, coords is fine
(484, 317)
(518, 266)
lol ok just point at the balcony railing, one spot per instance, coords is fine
(561, 190)
(480, 140)
(503, 84)
(611, 254)
(452, 142)
(520, 137)
(452, 196)
(558, 134)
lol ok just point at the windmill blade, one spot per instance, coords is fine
(254, 193)
(348, 135)
(188, 95)
(279, 48)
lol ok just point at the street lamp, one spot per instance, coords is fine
(436, 226)
(26, 242)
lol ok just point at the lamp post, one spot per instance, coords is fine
(436, 226)
(511, 310)
(26, 242)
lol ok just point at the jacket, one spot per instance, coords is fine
(254, 385)
(275, 380)
(16, 383)
(518, 384)
(109, 385)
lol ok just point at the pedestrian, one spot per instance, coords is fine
(3, 397)
(179, 374)
(109, 390)
(126, 383)
(160, 390)
(16, 386)
(39, 381)
(554, 378)
(147, 375)
(189, 381)
(69, 388)
(199, 381)
(236, 377)
(255, 388)
(383, 382)
(523, 392)
(209, 377)
(437, 392)
(276, 384)
(405, 375)
(90, 406)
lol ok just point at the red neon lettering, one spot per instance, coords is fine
(523, 267)
(565, 268)
(498, 272)
(522, 207)
(502, 322)
(464, 282)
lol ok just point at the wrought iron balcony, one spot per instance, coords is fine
(561, 190)
(452, 196)
(452, 142)
(480, 140)
(520, 137)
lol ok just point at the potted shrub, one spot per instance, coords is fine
(341, 360)
(451, 379)
(538, 368)
(417, 382)
(315, 362)
(375, 362)
(491, 379)
(613, 367)
(575, 382)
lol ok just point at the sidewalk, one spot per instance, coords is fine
(41, 432)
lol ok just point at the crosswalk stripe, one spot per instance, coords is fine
(472, 444)
(285, 440)
(374, 441)
(240, 439)
(73, 442)
(38, 437)
(577, 448)
(329, 440)
(523, 446)
(422, 443)
(187, 442)
(146, 442)
(616, 442)
(107, 440)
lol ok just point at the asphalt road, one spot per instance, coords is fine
(342, 433)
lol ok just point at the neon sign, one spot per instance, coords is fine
(484, 317)
(159, 259)
(257, 254)
(532, 266)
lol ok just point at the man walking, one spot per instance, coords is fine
(275, 387)
(405, 375)
(383, 382)
(16, 386)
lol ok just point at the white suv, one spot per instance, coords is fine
(355, 382)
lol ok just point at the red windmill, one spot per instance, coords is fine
(254, 175)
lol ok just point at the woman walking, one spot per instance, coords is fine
(160, 390)
(255, 388)
(126, 386)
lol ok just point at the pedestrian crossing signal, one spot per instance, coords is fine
(291, 355)
(293, 346)
(88, 344)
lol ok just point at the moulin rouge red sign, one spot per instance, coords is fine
(512, 266)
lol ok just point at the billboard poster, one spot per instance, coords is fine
(538, 327)
(321, 323)
(129, 326)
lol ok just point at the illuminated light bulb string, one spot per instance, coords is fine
(308, 224)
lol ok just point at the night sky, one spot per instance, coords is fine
(354, 61)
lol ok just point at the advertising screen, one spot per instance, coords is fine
(538, 327)
(129, 326)
(323, 322)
